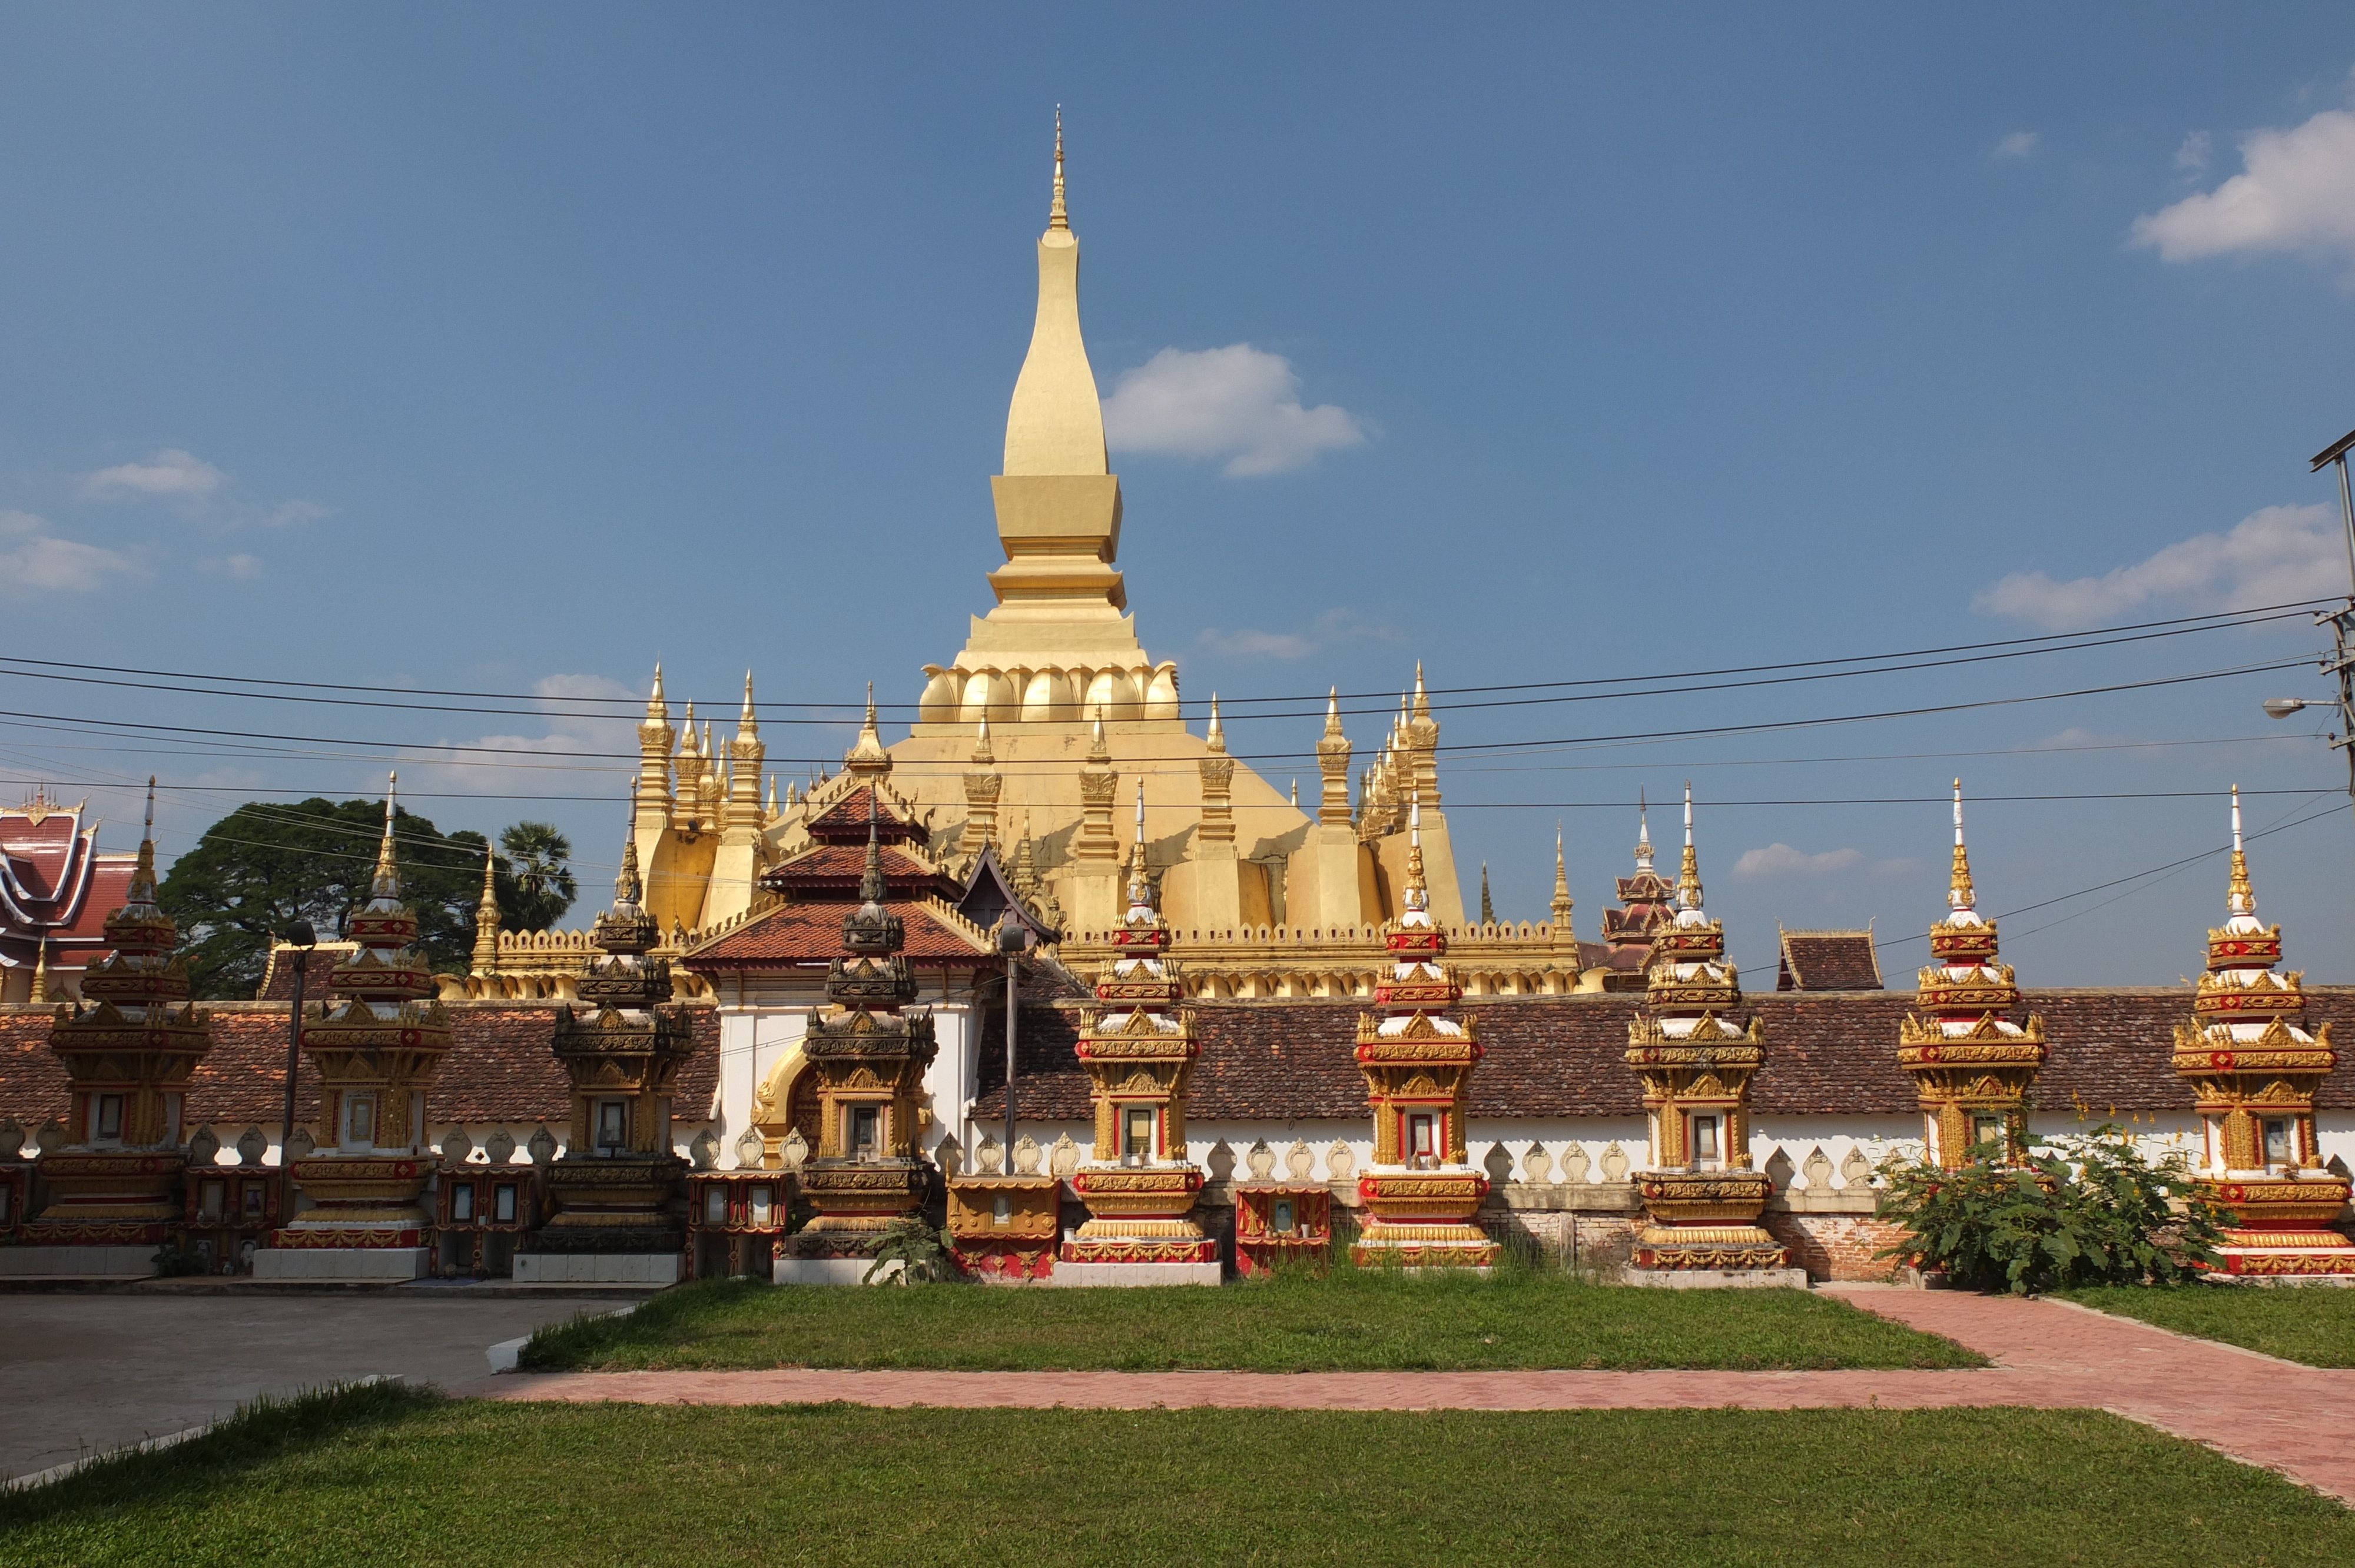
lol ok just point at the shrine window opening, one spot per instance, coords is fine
(1002, 1213)
(503, 1203)
(212, 1197)
(1987, 1129)
(715, 1205)
(257, 1195)
(866, 1130)
(107, 1117)
(2277, 1142)
(757, 1203)
(1282, 1218)
(1421, 1140)
(1137, 1136)
(462, 1203)
(613, 1127)
(1706, 1153)
(359, 1121)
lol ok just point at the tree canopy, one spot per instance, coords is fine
(534, 883)
(264, 866)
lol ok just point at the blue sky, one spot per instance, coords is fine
(508, 349)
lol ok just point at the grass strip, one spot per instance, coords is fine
(398, 1477)
(1349, 1320)
(2310, 1323)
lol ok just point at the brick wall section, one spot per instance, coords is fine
(1836, 1246)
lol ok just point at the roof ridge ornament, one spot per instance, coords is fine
(2238, 896)
(1958, 882)
(1058, 215)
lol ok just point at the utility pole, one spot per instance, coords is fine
(2341, 666)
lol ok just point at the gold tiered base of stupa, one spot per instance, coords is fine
(1140, 1215)
(623, 1204)
(2279, 1228)
(109, 1199)
(1422, 1219)
(1706, 1220)
(853, 1202)
(361, 1202)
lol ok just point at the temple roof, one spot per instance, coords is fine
(845, 821)
(55, 884)
(810, 935)
(1828, 960)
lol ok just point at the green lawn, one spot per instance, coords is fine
(390, 1476)
(2309, 1323)
(1347, 1321)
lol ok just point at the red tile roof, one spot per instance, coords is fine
(500, 1070)
(845, 821)
(833, 871)
(1563, 1056)
(1828, 960)
(805, 934)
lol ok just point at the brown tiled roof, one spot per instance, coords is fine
(1563, 1056)
(835, 870)
(811, 934)
(1828, 960)
(845, 821)
(318, 973)
(500, 1068)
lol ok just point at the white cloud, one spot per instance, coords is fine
(1238, 402)
(1333, 626)
(2018, 145)
(2198, 148)
(1782, 860)
(38, 561)
(2277, 556)
(286, 514)
(576, 728)
(243, 566)
(2296, 192)
(169, 472)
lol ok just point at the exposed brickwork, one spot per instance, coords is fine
(1836, 1246)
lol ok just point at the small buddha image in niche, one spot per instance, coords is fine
(1283, 1216)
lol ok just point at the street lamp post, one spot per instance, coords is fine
(301, 939)
(2341, 621)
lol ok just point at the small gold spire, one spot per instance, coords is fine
(656, 708)
(143, 875)
(1417, 895)
(1098, 750)
(1140, 886)
(1488, 905)
(749, 723)
(486, 916)
(1333, 711)
(981, 751)
(41, 992)
(1958, 883)
(626, 887)
(386, 882)
(1217, 736)
(1056, 216)
(1643, 833)
(772, 795)
(2240, 898)
(1422, 697)
(1562, 903)
(1688, 875)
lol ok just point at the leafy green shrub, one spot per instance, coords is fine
(921, 1252)
(2091, 1210)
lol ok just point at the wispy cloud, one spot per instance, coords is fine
(575, 729)
(1333, 626)
(2018, 145)
(2296, 193)
(1239, 403)
(33, 560)
(2272, 557)
(2198, 149)
(1782, 860)
(169, 472)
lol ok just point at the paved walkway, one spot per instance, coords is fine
(2272, 1413)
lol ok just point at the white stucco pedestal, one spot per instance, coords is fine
(1717, 1278)
(78, 1262)
(343, 1263)
(1096, 1274)
(596, 1269)
(830, 1271)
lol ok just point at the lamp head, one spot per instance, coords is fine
(2282, 707)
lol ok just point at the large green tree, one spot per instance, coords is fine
(536, 885)
(264, 866)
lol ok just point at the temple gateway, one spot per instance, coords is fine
(1247, 1030)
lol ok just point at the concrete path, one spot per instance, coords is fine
(86, 1372)
(2272, 1413)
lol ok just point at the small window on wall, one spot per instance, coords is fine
(1282, 1223)
(613, 1126)
(1705, 1150)
(2278, 1141)
(1987, 1129)
(866, 1130)
(1421, 1140)
(715, 1205)
(1136, 1135)
(257, 1198)
(359, 1120)
(107, 1118)
(757, 1204)
(1002, 1213)
(503, 1204)
(462, 1203)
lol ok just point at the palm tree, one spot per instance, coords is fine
(536, 885)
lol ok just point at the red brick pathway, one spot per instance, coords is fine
(2267, 1412)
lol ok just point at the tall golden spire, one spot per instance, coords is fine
(1217, 738)
(867, 758)
(1643, 833)
(41, 991)
(385, 887)
(1958, 883)
(486, 915)
(1057, 217)
(1140, 885)
(2240, 898)
(1688, 875)
(1561, 905)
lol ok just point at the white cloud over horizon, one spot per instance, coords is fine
(2296, 193)
(1333, 626)
(171, 472)
(1239, 403)
(604, 731)
(1781, 860)
(2018, 145)
(2274, 556)
(34, 560)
